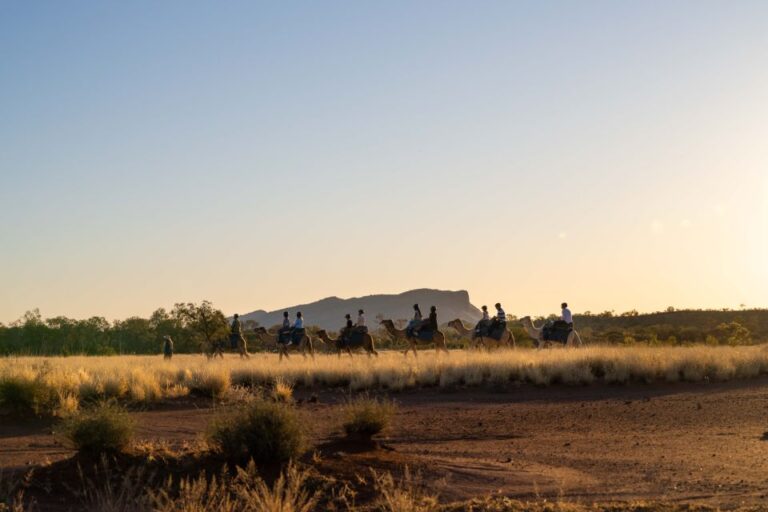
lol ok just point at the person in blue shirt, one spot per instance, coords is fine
(299, 323)
(416, 322)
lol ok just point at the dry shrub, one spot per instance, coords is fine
(104, 429)
(267, 432)
(245, 492)
(404, 495)
(365, 416)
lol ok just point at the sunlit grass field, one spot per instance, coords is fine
(64, 382)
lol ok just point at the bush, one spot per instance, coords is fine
(265, 431)
(107, 428)
(22, 395)
(366, 417)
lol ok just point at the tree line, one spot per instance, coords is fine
(194, 327)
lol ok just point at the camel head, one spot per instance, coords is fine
(456, 324)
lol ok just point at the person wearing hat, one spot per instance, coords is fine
(167, 347)
(416, 322)
(236, 328)
(236, 338)
(346, 332)
(361, 319)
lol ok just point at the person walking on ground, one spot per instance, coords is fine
(237, 340)
(167, 347)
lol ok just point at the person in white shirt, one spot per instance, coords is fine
(360, 318)
(566, 315)
(484, 324)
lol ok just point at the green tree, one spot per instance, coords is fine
(206, 323)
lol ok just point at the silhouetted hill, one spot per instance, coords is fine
(329, 313)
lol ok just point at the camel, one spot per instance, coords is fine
(218, 347)
(438, 338)
(537, 333)
(367, 343)
(507, 339)
(304, 346)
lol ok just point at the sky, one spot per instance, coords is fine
(266, 154)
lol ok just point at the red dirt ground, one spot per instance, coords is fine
(678, 443)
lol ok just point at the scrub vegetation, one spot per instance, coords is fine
(59, 385)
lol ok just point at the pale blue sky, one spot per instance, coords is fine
(612, 154)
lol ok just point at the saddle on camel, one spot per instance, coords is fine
(557, 330)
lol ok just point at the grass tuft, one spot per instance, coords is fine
(282, 391)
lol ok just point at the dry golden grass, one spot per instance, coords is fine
(150, 378)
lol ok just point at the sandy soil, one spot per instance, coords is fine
(675, 443)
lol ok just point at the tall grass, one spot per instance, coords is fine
(30, 383)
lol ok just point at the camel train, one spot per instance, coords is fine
(490, 333)
(479, 340)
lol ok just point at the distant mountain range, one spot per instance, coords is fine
(329, 313)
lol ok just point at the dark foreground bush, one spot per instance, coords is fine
(268, 432)
(22, 396)
(365, 417)
(107, 428)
